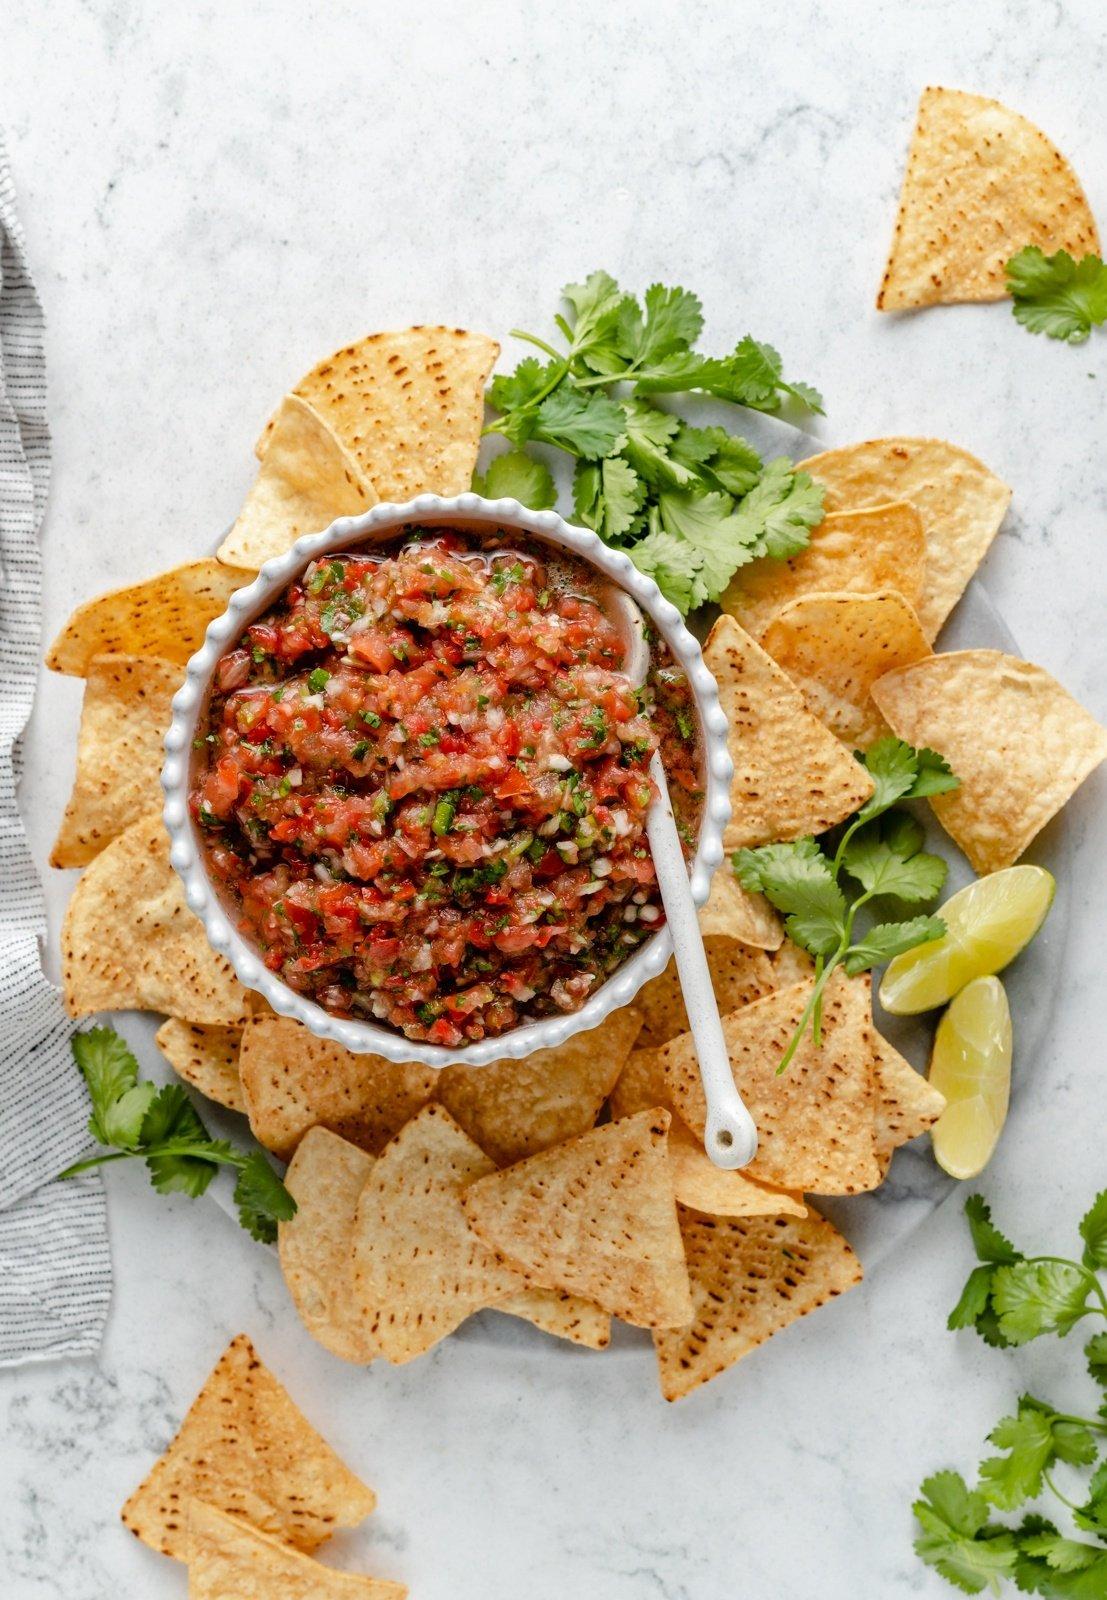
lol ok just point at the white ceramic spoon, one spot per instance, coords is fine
(730, 1137)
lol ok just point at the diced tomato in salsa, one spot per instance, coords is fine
(423, 784)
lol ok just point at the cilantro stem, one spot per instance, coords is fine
(816, 994)
(171, 1147)
(532, 338)
(1064, 1499)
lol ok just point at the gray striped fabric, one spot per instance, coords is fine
(55, 1267)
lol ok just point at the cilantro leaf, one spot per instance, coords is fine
(519, 390)
(900, 772)
(1033, 1440)
(799, 881)
(588, 425)
(1056, 295)
(886, 857)
(1092, 1515)
(1049, 1564)
(110, 1071)
(1033, 1298)
(888, 939)
(750, 376)
(989, 1244)
(1093, 1231)
(956, 1538)
(708, 523)
(607, 495)
(673, 321)
(672, 564)
(776, 516)
(1096, 1353)
(517, 476)
(974, 1300)
(596, 304)
(731, 463)
(169, 1135)
(261, 1198)
(650, 438)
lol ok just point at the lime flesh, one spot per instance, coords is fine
(987, 924)
(971, 1066)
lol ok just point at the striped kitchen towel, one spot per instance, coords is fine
(55, 1267)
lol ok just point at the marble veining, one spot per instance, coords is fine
(214, 196)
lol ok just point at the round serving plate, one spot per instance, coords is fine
(877, 1224)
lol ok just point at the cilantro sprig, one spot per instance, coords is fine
(1057, 295)
(880, 851)
(690, 505)
(137, 1120)
(1011, 1298)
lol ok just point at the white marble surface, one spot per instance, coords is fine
(217, 193)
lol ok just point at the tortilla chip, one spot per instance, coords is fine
(739, 974)
(293, 1081)
(246, 1449)
(906, 1104)
(1020, 744)
(854, 552)
(119, 753)
(565, 1316)
(981, 182)
(814, 1121)
(696, 1180)
(230, 1560)
(960, 502)
(751, 1277)
(514, 1109)
(409, 406)
(130, 942)
(325, 1178)
(790, 964)
(307, 479)
(835, 646)
(205, 1057)
(166, 616)
(595, 1216)
(791, 775)
(418, 1269)
(732, 912)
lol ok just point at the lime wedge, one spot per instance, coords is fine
(987, 923)
(971, 1066)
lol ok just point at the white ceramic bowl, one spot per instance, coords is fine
(385, 522)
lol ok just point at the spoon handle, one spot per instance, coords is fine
(730, 1138)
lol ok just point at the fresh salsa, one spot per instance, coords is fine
(422, 782)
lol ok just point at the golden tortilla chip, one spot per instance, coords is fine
(791, 775)
(325, 1178)
(293, 1081)
(732, 912)
(119, 753)
(247, 1450)
(739, 974)
(835, 646)
(1020, 744)
(855, 552)
(307, 479)
(595, 1216)
(751, 1277)
(418, 1269)
(790, 964)
(230, 1560)
(409, 406)
(205, 1057)
(696, 1180)
(516, 1108)
(981, 182)
(960, 502)
(906, 1104)
(565, 1316)
(814, 1121)
(166, 616)
(130, 942)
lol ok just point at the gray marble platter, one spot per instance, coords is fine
(878, 1224)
